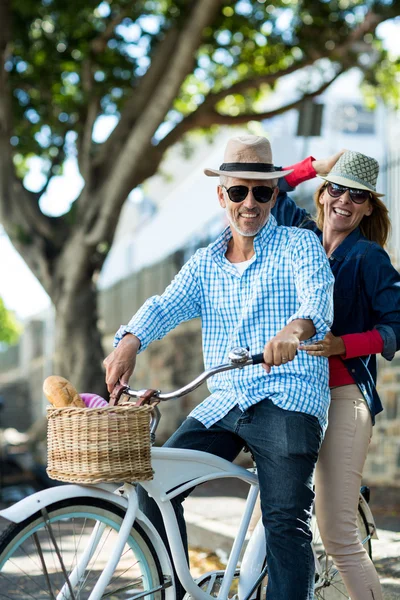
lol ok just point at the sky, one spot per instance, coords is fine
(19, 288)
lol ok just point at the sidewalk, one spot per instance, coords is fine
(214, 510)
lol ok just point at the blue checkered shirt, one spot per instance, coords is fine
(289, 279)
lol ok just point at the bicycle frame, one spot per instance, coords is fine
(172, 469)
(175, 471)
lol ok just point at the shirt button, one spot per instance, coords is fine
(353, 370)
(331, 258)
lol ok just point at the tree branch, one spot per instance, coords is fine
(116, 187)
(99, 44)
(6, 167)
(207, 110)
(57, 161)
(212, 117)
(137, 102)
(19, 209)
(218, 119)
(34, 254)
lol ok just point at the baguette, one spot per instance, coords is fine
(61, 393)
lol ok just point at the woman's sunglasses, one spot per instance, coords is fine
(357, 196)
(238, 193)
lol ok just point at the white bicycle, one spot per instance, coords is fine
(80, 542)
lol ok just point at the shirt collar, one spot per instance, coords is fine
(220, 246)
(343, 249)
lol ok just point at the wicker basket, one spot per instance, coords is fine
(93, 445)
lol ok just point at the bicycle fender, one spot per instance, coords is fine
(368, 515)
(253, 560)
(31, 504)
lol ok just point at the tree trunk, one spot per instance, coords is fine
(78, 347)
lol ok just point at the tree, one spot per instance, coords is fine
(9, 328)
(164, 68)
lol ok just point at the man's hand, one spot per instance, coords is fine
(280, 350)
(121, 362)
(329, 346)
(283, 347)
(323, 166)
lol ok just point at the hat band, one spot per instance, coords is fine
(244, 166)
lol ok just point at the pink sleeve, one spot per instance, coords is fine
(302, 172)
(362, 344)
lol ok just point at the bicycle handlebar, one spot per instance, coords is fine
(238, 358)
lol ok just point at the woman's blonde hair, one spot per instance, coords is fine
(375, 227)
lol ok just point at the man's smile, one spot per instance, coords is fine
(248, 215)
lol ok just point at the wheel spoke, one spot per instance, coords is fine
(38, 558)
(43, 563)
(56, 548)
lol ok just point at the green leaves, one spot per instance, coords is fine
(9, 327)
(67, 58)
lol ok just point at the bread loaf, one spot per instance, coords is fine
(60, 392)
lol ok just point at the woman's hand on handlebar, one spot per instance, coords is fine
(120, 364)
(331, 345)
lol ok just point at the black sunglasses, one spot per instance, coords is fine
(357, 196)
(238, 193)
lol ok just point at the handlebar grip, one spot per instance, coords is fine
(258, 359)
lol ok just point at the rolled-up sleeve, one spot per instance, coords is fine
(314, 282)
(160, 314)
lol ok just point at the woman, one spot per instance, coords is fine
(353, 225)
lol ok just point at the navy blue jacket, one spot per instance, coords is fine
(366, 295)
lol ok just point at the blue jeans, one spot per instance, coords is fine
(285, 447)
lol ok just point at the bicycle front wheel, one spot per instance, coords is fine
(41, 561)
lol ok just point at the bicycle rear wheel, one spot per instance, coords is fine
(329, 584)
(31, 567)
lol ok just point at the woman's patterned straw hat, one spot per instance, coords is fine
(355, 170)
(248, 157)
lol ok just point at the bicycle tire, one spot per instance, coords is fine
(22, 575)
(336, 589)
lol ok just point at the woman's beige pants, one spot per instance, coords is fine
(337, 484)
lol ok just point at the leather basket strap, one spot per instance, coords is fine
(116, 394)
(147, 398)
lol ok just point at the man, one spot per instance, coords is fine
(268, 288)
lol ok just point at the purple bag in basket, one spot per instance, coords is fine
(93, 400)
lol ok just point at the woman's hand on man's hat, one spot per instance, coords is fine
(324, 165)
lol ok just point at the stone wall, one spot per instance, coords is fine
(383, 462)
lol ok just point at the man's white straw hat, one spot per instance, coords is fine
(355, 170)
(248, 157)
